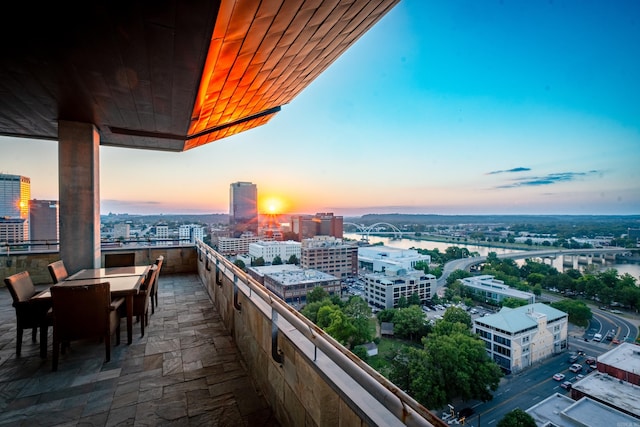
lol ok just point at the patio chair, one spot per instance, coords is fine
(154, 293)
(120, 260)
(84, 312)
(31, 313)
(58, 271)
(141, 300)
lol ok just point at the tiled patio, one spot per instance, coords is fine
(185, 371)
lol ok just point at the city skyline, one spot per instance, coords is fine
(441, 108)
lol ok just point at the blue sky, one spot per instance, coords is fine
(444, 107)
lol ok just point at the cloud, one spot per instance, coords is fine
(513, 170)
(552, 178)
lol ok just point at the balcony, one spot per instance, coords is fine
(219, 350)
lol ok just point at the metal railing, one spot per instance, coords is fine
(404, 408)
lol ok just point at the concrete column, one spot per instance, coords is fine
(79, 188)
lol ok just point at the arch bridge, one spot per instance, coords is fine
(366, 231)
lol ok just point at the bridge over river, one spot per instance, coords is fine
(466, 263)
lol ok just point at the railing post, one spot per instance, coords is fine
(218, 278)
(236, 304)
(276, 354)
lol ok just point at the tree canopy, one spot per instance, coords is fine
(517, 418)
(453, 363)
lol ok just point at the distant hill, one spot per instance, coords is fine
(630, 221)
(153, 219)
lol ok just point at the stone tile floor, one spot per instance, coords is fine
(185, 371)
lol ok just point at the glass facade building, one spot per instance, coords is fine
(15, 192)
(243, 208)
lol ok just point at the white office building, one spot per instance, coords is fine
(516, 338)
(383, 290)
(380, 258)
(492, 290)
(268, 250)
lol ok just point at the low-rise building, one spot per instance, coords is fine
(258, 272)
(379, 258)
(293, 284)
(383, 290)
(616, 383)
(268, 250)
(236, 245)
(490, 289)
(561, 410)
(516, 338)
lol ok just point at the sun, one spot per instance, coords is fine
(273, 205)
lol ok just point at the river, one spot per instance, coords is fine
(632, 268)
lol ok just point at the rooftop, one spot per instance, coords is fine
(561, 410)
(186, 370)
(626, 357)
(521, 318)
(606, 388)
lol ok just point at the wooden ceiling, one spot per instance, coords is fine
(167, 75)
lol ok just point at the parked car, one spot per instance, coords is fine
(558, 377)
(576, 367)
(590, 360)
(566, 384)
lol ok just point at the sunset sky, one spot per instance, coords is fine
(444, 107)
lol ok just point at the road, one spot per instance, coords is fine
(527, 388)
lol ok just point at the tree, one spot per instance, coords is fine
(414, 299)
(517, 418)
(361, 352)
(386, 315)
(458, 274)
(293, 260)
(317, 294)
(409, 322)
(258, 262)
(402, 302)
(452, 364)
(341, 327)
(239, 263)
(359, 312)
(310, 311)
(513, 302)
(579, 313)
(276, 260)
(458, 315)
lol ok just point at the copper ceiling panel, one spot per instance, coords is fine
(168, 75)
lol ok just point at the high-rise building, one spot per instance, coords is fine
(44, 216)
(243, 208)
(320, 224)
(15, 193)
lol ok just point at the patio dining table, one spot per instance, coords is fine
(124, 282)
